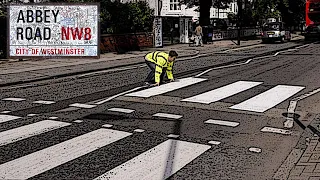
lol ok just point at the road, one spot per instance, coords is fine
(203, 128)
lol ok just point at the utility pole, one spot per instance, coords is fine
(239, 4)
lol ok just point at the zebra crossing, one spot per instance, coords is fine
(159, 162)
(259, 103)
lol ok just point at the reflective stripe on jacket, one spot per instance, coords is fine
(161, 61)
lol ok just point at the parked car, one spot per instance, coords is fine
(275, 31)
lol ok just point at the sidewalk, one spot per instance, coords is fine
(303, 163)
(15, 71)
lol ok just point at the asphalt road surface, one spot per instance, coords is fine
(226, 123)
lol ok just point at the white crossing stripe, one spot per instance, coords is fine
(219, 122)
(165, 115)
(268, 99)
(78, 121)
(139, 130)
(166, 87)
(173, 136)
(5, 118)
(30, 130)
(107, 125)
(88, 106)
(13, 99)
(41, 161)
(253, 149)
(30, 115)
(44, 102)
(159, 162)
(222, 92)
(275, 130)
(121, 110)
(5, 112)
(53, 117)
(214, 142)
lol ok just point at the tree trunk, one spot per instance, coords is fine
(205, 6)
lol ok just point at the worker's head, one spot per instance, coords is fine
(172, 55)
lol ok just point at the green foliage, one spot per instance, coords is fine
(221, 4)
(291, 11)
(232, 18)
(118, 17)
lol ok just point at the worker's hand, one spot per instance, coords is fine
(172, 80)
(156, 84)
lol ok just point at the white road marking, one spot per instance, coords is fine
(44, 102)
(17, 134)
(14, 99)
(5, 112)
(53, 117)
(275, 130)
(285, 51)
(41, 161)
(78, 121)
(153, 91)
(253, 149)
(214, 142)
(30, 115)
(5, 118)
(121, 110)
(292, 106)
(268, 99)
(159, 162)
(241, 48)
(107, 125)
(173, 136)
(222, 92)
(222, 67)
(165, 115)
(307, 94)
(87, 106)
(120, 94)
(139, 130)
(204, 72)
(111, 70)
(224, 123)
(256, 58)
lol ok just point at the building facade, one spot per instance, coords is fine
(174, 8)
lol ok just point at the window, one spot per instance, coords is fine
(175, 5)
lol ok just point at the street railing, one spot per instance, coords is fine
(233, 33)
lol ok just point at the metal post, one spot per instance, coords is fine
(239, 4)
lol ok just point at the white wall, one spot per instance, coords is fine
(165, 11)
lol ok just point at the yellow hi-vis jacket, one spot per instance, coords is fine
(161, 61)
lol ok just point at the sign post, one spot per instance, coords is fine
(157, 24)
(54, 30)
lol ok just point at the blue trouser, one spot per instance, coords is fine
(150, 77)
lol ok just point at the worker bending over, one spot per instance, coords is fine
(159, 64)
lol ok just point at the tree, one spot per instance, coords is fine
(119, 18)
(204, 8)
(263, 9)
(232, 18)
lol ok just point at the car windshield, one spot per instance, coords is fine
(271, 27)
